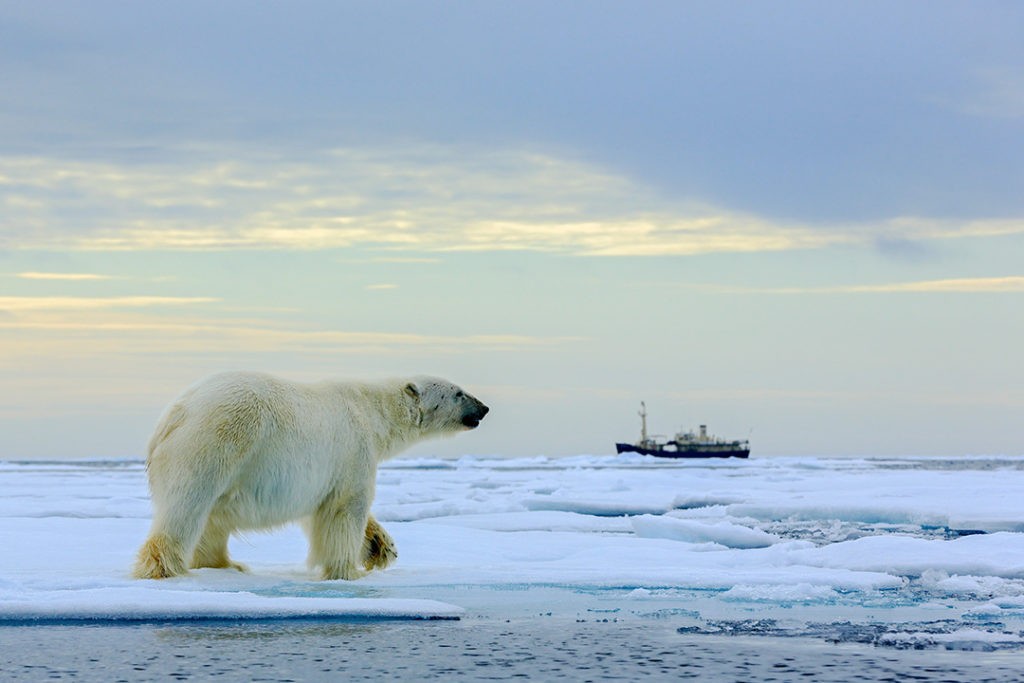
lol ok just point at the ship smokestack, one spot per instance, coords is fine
(703, 432)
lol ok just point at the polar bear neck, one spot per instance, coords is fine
(388, 419)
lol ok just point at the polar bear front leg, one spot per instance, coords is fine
(378, 548)
(336, 535)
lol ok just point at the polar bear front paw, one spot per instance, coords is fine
(379, 549)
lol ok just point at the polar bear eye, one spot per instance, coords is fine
(458, 394)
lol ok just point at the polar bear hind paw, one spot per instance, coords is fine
(229, 564)
(159, 558)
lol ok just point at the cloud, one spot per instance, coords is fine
(1014, 283)
(190, 343)
(69, 303)
(71, 328)
(394, 259)
(997, 93)
(914, 229)
(982, 285)
(426, 199)
(647, 236)
(63, 276)
(1002, 397)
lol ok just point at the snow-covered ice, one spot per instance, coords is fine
(916, 551)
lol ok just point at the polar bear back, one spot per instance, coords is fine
(245, 410)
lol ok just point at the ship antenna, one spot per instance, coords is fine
(643, 422)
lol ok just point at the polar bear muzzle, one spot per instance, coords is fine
(471, 420)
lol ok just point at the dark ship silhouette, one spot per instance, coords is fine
(685, 444)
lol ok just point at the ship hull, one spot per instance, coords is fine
(697, 452)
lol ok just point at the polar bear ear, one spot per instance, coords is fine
(412, 390)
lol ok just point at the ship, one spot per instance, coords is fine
(685, 444)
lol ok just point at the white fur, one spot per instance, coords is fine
(244, 451)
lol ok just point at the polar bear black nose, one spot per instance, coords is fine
(472, 420)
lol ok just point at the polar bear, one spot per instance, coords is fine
(244, 450)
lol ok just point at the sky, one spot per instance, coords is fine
(797, 222)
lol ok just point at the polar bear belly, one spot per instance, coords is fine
(275, 487)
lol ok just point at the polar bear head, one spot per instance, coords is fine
(443, 406)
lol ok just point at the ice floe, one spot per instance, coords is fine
(895, 539)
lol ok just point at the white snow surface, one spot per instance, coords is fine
(901, 536)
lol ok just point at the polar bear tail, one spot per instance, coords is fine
(173, 419)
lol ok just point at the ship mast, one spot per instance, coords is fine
(643, 422)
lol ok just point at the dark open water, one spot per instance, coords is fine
(468, 650)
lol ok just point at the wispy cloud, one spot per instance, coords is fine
(1004, 397)
(423, 200)
(395, 259)
(647, 236)
(63, 276)
(1013, 283)
(71, 303)
(63, 328)
(998, 93)
(982, 285)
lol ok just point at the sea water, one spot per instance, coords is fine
(497, 650)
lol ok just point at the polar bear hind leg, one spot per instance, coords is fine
(171, 543)
(212, 549)
(182, 512)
